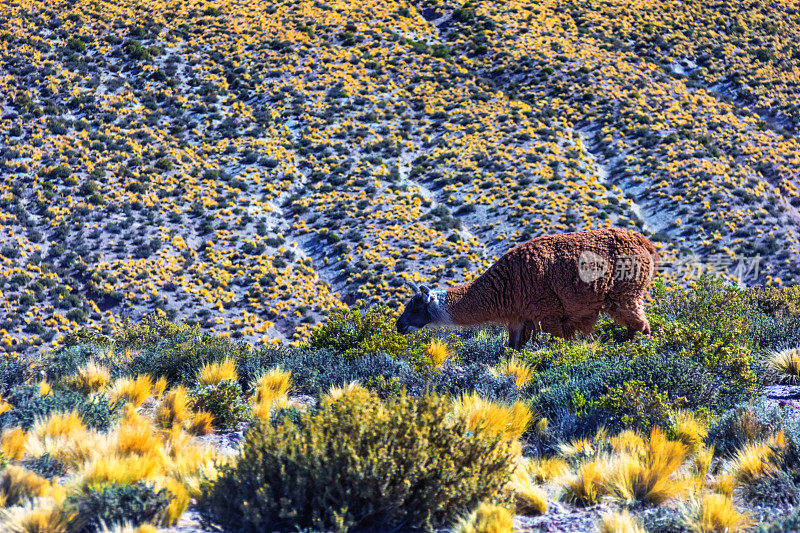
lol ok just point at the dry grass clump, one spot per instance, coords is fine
(270, 388)
(348, 389)
(712, 513)
(213, 373)
(13, 443)
(627, 441)
(436, 354)
(127, 528)
(787, 364)
(45, 388)
(510, 421)
(516, 368)
(41, 515)
(546, 469)
(648, 476)
(174, 408)
(487, 518)
(202, 423)
(60, 424)
(586, 486)
(135, 391)
(89, 378)
(620, 522)
(18, 485)
(530, 499)
(689, 429)
(754, 461)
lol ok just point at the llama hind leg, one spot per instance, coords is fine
(631, 316)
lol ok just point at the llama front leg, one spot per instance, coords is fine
(515, 333)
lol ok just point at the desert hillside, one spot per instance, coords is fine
(251, 166)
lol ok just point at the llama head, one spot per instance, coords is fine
(417, 312)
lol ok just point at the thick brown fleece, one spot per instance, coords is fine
(537, 285)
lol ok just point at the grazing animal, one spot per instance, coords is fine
(556, 283)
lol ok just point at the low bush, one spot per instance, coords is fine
(223, 400)
(744, 424)
(360, 463)
(96, 410)
(353, 334)
(106, 504)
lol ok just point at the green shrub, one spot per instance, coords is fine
(355, 335)
(152, 330)
(359, 463)
(96, 410)
(179, 362)
(636, 405)
(223, 400)
(707, 323)
(109, 504)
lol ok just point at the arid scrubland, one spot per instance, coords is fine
(251, 168)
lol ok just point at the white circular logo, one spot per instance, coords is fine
(591, 266)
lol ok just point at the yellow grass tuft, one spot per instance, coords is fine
(510, 421)
(620, 522)
(724, 484)
(213, 373)
(787, 364)
(202, 423)
(179, 502)
(159, 387)
(123, 469)
(530, 499)
(4, 406)
(36, 516)
(127, 528)
(336, 393)
(713, 513)
(544, 470)
(90, 378)
(60, 424)
(586, 486)
(272, 387)
(648, 475)
(135, 391)
(45, 388)
(18, 485)
(753, 462)
(487, 518)
(174, 408)
(13, 443)
(135, 435)
(690, 429)
(436, 354)
(700, 467)
(516, 368)
(628, 442)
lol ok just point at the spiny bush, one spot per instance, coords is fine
(114, 503)
(355, 335)
(223, 400)
(151, 330)
(357, 462)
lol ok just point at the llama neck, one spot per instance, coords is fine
(470, 304)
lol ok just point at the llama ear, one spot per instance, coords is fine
(414, 286)
(426, 293)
